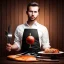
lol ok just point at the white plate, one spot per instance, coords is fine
(42, 52)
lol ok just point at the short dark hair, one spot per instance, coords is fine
(32, 4)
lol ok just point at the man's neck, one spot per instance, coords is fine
(31, 22)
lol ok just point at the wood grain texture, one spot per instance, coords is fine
(13, 12)
(0, 27)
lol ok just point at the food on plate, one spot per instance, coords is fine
(26, 58)
(22, 57)
(51, 50)
(12, 56)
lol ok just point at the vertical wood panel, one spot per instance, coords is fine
(24, 11)
(63, 24)
(50, 23)
(54, 23)
(60, 25)
(8, 13)
(4, 25)
(42, 12)
(16, 13)
(46, 14)
(20, 12)
(0, 28)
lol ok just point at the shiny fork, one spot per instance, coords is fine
(8, 34)
(9, 37)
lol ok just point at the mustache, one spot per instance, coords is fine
(32, 16)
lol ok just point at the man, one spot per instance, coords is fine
(32, 13)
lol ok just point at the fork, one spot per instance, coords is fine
(8, 34)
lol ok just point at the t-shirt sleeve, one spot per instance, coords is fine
(45, 39)
(17, 39)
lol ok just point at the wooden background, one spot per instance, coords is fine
(13, 12)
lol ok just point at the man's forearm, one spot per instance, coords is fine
(14, 47)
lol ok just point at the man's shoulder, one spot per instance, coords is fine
(20, 26)
(42, 26)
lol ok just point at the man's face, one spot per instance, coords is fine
(33, 12)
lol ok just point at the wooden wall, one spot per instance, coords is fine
(13, 12)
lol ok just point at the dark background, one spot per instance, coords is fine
(13, 12)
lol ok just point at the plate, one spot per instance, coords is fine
(42, 52)
(49, 59)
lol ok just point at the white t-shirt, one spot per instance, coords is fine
(42, 33)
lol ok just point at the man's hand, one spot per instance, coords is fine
(8, 47)
(47, 50)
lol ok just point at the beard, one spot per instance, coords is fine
(32, 18)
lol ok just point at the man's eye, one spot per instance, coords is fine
(35, 11)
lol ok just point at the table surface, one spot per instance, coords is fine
(4, 60)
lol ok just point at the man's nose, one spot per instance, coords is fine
(32, 13)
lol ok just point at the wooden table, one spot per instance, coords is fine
(4, 60)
